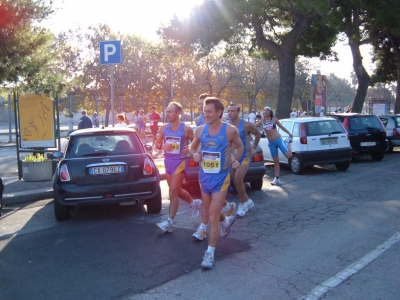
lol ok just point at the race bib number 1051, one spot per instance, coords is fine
(211, 162)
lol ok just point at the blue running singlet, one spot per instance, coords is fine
(214, 174)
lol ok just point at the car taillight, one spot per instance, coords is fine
(346, 127)
(258, 157)
(64, 174)
(303, 133)
(395, 132)
(147, 167)
(192, 163)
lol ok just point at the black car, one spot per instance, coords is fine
(105, 166)
(366, 133)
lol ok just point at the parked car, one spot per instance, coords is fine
(392, 125)
(366, 132)
(316, 141)
(105, 166)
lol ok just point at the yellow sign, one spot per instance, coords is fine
(36, 121)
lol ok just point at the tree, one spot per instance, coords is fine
(387, 48)
(21, 37)
(339, 92)
(275, 28)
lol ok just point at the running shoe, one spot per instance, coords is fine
(225, 230)
(208, 260)
(196, 206)
(200, 234)
(276, 181)
(250, 203)
(288, 140)
(242, 210)
(230, 207)
(165, 226)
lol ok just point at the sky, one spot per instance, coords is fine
(144, 17)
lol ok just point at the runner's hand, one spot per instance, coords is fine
(166, 147)
(235, 164)
(197, 157)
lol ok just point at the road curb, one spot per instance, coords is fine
(29, 196)
(35, 195)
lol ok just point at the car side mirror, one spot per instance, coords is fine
(57, 154)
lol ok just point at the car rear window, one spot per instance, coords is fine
(364, 123)
(397, 121)
(324, 127)
(102, 145)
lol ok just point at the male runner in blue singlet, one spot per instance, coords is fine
(217, 139)
(173, 138)
(245, 129)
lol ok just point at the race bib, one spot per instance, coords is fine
(175, 143)
(211, 162)
(151, 122)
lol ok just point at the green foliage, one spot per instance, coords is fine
(34, 158)
(20, 37)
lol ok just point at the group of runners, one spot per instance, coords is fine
(223, 149)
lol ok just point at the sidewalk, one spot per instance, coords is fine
(19, 191)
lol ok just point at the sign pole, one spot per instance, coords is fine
(112, 93)
(110, 54)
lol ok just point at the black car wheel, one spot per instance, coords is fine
(377, 156)
(61, 211)
(257, 184)
(295, 165)
(342, 166)
(389, 147)
(154, 204)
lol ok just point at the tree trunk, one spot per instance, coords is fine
(363, 77)
(397, 52)
(286, 84)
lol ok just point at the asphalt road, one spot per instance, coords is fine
(325, 234)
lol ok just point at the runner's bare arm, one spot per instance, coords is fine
(281, 126)
(251, 128)
(160, 137)
(233, 136)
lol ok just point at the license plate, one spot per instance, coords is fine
(329, 141)
(106, 170)
(367, 144)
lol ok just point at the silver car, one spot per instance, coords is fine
(392, 124)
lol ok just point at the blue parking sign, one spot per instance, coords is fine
(110, 52)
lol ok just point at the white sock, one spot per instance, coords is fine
(203, 226)
(170, 220)
(211, 250)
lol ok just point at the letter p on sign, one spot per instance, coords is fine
(110, 52)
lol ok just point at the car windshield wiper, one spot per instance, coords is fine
(335, 132)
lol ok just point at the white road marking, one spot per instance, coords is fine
(343, 275)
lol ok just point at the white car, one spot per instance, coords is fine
(316, 141)
(392, 125)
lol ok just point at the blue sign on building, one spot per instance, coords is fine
(110, 52)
